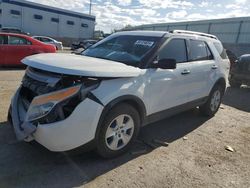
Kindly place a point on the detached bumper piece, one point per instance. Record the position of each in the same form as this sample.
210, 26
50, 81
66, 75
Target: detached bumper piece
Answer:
22, 128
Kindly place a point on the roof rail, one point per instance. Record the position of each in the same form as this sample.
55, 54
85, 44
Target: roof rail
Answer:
194, 33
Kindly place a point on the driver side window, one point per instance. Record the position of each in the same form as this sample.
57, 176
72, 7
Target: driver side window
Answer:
175, 49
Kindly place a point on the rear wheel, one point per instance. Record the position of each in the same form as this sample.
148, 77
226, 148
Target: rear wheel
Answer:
213, 103
119, 129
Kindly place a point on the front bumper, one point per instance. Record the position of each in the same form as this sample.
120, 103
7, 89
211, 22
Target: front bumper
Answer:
76, 130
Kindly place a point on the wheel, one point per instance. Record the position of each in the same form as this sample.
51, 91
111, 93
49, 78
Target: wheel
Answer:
118, 131
213, 103
234, 83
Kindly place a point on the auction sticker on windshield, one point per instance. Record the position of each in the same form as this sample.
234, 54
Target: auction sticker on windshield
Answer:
144, 43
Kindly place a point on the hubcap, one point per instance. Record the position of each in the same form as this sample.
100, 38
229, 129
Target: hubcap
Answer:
215, 100
119, 132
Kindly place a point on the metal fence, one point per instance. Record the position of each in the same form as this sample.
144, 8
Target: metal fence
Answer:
233, 32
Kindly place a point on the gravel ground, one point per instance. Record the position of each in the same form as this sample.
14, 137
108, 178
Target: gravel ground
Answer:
195, 157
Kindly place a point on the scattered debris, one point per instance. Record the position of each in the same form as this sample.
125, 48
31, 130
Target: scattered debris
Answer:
229, 148
220, 131
138, 152
161, 142
185, 138
140, 167
221, 107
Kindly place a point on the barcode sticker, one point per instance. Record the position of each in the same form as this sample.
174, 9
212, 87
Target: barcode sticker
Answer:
144, 43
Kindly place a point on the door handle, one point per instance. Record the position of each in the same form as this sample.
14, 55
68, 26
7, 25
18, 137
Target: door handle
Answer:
185, 72
214, 67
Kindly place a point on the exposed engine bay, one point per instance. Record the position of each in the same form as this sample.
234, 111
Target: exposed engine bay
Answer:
38, 83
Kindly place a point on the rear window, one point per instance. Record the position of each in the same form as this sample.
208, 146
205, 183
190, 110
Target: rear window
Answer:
221, 50
199, 51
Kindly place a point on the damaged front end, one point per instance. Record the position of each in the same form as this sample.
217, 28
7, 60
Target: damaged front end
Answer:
46, 97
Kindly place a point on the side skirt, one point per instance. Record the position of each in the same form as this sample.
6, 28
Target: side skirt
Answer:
173, 111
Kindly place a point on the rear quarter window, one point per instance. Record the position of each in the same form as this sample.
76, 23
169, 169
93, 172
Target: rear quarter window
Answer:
222, 52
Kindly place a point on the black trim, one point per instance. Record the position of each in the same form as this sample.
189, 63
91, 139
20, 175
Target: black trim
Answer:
173, 111
125, 98
62, 12
94, 98
129, 99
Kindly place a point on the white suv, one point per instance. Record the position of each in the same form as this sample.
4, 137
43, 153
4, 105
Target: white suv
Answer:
118, 85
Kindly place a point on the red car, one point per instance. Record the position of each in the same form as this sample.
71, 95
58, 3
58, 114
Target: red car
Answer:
15, 47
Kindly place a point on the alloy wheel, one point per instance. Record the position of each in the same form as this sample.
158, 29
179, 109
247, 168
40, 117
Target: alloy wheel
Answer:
119, 132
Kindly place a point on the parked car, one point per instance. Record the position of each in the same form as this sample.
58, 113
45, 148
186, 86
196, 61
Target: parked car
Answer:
13, 30
15, 47
232, 57
83, 44
118, 85
48, 40
240, 71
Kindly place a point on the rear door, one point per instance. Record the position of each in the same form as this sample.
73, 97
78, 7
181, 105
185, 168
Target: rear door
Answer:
202, 69
3, 49
18, 48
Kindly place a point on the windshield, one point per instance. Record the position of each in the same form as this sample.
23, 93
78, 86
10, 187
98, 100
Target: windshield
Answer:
125, 49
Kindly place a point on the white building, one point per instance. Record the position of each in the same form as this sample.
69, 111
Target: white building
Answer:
38, 19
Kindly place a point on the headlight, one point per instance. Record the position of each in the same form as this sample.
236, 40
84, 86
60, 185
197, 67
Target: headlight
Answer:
42, 105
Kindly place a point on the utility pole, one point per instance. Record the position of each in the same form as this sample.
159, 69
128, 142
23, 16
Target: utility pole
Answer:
90, 6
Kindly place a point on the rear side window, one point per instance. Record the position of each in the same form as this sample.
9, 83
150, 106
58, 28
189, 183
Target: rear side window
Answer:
199, 51
45, 40
13, 40
221, 50
175, 49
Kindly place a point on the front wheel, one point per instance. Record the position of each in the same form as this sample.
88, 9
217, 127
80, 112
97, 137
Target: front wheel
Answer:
213, 103
118, 131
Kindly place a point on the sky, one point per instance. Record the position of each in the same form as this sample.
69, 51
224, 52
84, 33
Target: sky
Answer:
115, 14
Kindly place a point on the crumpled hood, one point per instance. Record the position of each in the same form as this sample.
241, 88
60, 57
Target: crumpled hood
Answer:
80, 65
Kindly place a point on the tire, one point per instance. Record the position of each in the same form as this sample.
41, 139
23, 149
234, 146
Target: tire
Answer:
213, 103
234, 83
118, 131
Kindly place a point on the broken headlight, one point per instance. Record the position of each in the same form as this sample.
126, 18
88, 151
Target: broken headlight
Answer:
42, 105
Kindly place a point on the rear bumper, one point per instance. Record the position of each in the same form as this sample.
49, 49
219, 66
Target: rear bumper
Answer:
76, 130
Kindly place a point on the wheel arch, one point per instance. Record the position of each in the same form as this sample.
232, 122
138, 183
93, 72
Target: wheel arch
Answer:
134, 101
222, 82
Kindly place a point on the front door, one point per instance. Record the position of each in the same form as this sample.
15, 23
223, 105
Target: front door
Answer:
3, 49
169, 88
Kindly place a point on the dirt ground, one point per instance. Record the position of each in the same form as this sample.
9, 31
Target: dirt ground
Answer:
199, 160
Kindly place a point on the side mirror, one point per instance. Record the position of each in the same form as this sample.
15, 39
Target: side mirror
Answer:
166, 64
